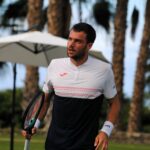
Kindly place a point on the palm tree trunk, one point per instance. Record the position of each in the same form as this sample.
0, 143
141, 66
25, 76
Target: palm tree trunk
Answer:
134, 123
32, 76
118, 46
59, 16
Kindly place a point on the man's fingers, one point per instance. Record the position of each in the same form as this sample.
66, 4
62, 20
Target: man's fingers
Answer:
102, 145
34, 130
105, 145
23, 133
98, 143
101, 142
27, 135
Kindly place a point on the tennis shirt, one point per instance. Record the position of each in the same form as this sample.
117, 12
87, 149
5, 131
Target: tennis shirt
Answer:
79, 92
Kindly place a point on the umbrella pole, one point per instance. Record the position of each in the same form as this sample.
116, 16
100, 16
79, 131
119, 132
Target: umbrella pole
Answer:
13, 109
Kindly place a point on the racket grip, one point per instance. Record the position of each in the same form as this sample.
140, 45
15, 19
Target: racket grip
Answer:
26, 144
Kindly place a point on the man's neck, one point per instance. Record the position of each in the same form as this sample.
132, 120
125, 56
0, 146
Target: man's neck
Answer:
79, 61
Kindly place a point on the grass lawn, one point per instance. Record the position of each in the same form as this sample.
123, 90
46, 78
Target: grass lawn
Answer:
37, 143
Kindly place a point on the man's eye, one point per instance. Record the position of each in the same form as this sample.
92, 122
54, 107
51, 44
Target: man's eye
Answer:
78, 41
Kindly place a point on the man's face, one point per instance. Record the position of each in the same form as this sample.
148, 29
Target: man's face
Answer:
77, 46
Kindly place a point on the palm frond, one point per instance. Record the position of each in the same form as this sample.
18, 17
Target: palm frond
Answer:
134, 21
1, 2
102, 14
2, 65
15, 10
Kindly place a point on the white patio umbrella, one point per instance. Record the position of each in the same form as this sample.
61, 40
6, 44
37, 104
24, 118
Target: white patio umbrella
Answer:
33, 48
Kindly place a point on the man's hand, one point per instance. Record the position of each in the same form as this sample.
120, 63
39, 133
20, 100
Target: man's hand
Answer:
101, 141
27, 135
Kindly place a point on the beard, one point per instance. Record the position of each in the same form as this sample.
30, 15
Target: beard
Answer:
77, 55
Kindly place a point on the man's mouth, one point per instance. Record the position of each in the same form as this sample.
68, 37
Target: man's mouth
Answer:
71, 50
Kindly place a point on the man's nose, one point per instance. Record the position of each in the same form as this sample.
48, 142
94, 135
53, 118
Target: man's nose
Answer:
71, 43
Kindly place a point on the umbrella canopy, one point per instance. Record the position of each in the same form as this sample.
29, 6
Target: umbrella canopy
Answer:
35, 48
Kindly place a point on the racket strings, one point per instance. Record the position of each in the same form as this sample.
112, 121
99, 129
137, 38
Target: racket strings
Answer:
32, 112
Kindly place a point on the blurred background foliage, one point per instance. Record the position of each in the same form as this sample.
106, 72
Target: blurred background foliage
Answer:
5, 108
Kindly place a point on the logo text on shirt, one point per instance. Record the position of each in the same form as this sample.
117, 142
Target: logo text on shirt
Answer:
63, 74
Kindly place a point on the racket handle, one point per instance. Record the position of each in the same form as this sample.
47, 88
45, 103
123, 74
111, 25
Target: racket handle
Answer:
26, 144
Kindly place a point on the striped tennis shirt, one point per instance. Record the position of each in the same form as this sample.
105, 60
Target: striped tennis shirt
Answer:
79, 92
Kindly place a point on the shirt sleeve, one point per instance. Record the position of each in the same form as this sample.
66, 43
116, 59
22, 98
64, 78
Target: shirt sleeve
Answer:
48, 87
109, 88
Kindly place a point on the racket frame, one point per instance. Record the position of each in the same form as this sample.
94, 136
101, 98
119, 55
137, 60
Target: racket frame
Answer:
29, 128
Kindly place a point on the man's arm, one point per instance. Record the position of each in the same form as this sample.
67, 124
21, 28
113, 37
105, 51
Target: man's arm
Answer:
102, 138
45, 106
114, 109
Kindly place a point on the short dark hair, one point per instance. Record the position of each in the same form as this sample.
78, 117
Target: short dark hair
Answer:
88, 29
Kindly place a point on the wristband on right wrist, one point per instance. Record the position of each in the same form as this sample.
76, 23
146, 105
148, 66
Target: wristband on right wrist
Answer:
107, 128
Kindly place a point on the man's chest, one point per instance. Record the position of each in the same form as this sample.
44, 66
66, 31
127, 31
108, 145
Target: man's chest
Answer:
78, 78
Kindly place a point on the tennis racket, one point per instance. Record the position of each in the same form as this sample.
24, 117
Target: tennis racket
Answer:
31, 114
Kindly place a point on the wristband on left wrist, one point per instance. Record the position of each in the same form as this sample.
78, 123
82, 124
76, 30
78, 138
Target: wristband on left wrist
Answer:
37, 123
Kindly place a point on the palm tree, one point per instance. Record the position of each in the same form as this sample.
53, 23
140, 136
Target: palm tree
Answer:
59, 16
118, 47
39, 18
12, 13
32, 76
147, 78
134, 122
102, 15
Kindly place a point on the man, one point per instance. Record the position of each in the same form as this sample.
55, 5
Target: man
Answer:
79, 83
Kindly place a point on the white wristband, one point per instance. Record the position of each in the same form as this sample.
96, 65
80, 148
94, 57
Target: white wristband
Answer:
37, 123
107, 127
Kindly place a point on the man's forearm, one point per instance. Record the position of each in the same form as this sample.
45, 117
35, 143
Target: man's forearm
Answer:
112, 116
45, 106
114, 110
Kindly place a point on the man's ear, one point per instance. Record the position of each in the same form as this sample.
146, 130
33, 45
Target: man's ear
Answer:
90, 45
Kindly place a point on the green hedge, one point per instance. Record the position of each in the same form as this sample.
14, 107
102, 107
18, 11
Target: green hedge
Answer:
6, 108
